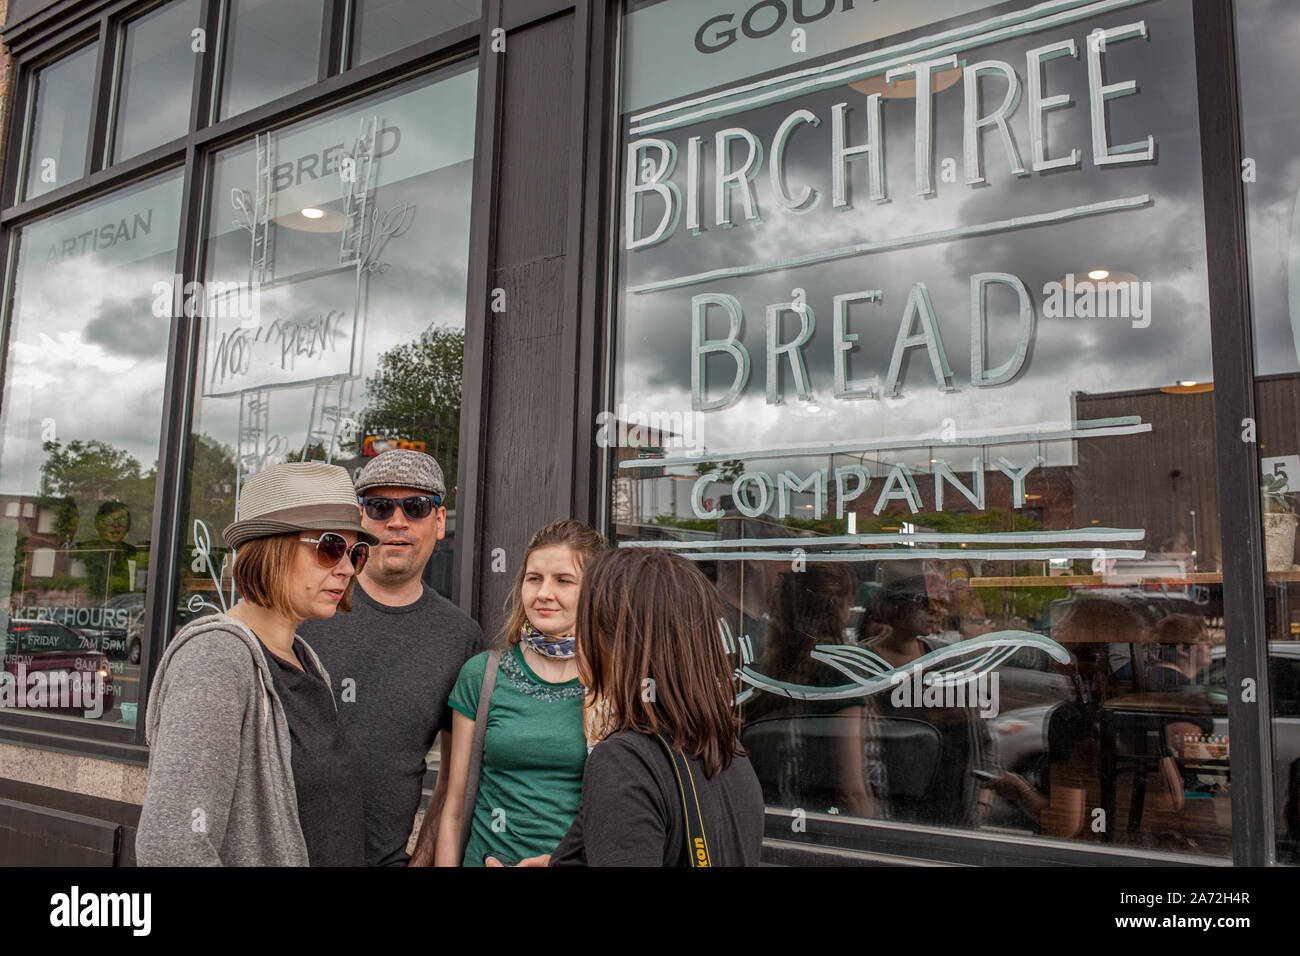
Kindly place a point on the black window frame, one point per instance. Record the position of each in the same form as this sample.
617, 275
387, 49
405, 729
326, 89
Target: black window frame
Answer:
24, 110
43, 37
1253, 836
111, 90
41, 40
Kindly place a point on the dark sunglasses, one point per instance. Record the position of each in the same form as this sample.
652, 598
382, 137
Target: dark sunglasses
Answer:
416, 506
331, 547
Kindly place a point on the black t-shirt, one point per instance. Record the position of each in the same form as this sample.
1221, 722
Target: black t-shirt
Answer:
631, 813
326, 765
393, 669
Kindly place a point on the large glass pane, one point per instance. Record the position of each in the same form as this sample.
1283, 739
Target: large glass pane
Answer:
272, 48
1270, 111
153, 103
81, 419
335, 268
912, 354
56, 154
382, 26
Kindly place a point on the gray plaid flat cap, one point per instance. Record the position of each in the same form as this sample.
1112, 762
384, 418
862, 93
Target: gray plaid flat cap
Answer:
402, 468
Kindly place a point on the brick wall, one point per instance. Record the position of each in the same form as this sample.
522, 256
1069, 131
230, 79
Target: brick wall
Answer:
6, 88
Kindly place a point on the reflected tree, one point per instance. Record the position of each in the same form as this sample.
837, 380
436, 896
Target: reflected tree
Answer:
85, 474
316, 451
101, 497
212, 472
415, 395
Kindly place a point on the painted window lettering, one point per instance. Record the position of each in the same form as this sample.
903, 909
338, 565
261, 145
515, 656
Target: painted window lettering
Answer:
652, 159
109, 234
762, 20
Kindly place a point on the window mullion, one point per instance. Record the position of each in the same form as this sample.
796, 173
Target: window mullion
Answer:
23, 107
332, 38
107, 66
207, 67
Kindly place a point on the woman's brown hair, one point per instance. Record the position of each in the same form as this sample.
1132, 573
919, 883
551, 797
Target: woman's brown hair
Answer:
808, 608
582, 539
650, 647
263, 568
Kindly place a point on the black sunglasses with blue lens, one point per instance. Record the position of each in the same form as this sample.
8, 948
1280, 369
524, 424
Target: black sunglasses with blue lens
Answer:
415, 506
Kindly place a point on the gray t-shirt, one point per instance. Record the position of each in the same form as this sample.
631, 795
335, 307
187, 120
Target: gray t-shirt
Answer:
392, 669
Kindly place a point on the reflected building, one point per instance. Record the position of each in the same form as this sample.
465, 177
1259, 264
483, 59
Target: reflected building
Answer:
759, 305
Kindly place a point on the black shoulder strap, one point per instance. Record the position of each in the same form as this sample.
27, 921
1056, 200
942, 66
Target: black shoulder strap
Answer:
476, 748
697, 844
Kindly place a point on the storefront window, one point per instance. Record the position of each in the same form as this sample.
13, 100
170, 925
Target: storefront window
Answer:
384, 26
153, 103
334, 307
273, 47
80, 421
912, 354
56, 152
1272, 183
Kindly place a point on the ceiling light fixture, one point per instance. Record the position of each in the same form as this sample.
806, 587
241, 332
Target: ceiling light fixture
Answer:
1187, 386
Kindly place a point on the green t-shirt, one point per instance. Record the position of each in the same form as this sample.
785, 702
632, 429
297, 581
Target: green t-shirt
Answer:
534, 752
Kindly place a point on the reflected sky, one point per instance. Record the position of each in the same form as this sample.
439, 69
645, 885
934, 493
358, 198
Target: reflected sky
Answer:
422, 189
383, 26
61, 129
157, 79
86, 351
273, 49
1161, 243
1268, 32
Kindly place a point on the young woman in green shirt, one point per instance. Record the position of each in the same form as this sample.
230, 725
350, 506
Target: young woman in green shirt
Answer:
534, 749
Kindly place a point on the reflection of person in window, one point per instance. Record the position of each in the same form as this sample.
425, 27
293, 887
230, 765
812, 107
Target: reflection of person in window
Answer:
1183, 652
106, 555
815, 770
910, 615
965, 612
1089, 628
745, 587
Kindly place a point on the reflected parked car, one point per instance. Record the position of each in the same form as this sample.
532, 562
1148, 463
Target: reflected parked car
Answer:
124, 643
1284, 687
58, 651
1021, 737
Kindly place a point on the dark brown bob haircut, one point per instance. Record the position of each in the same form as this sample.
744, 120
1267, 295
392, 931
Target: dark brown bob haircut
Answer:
647, 614
264, 569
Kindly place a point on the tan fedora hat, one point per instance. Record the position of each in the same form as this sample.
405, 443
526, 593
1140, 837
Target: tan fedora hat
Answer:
297, 496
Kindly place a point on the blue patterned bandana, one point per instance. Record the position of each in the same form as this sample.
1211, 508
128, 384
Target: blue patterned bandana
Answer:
546, 646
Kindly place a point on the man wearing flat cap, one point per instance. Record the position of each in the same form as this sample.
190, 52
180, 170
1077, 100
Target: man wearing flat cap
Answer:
394, 659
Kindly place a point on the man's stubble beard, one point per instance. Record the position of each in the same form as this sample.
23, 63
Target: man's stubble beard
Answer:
408, 570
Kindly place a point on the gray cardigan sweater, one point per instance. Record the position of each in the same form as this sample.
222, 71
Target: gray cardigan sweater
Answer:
221, 789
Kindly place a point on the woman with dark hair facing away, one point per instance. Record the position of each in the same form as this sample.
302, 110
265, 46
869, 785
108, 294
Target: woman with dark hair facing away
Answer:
669, 784
799, 763
249, 764
527, 703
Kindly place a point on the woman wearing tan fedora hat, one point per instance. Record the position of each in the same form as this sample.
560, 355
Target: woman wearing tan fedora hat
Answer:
248, 761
